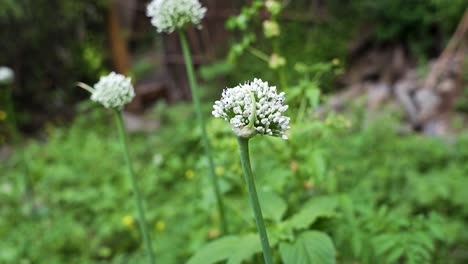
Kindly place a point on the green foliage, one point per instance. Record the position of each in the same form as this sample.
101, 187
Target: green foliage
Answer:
234, 249
51, 44
310, 247
381, 197
271, 56
413, 23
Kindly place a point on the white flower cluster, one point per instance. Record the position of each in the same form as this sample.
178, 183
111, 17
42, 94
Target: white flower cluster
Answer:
6, 75
113, 91
253, 108
169, 15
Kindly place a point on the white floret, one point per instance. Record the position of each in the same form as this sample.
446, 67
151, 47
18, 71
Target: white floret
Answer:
113, 91
169, 15
236, 106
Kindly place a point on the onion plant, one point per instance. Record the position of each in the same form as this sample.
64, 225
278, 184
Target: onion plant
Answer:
175, 15
254, 108
115, 91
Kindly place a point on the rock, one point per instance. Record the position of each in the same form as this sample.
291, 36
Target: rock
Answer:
427, 103
446, 86
437, 127
403, 92
377, 94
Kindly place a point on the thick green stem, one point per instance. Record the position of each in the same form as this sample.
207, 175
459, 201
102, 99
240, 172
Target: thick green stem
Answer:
136, 190
205, 141
249, 180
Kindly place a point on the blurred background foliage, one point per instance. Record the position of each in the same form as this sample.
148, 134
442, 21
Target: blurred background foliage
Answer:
50, 45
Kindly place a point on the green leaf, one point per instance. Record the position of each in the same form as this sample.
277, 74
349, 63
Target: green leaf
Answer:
273, 206
317, 207
309, 248
234, 249
313, 94
319, 165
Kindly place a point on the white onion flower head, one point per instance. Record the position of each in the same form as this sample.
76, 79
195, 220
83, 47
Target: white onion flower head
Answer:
113, 91
169, 15
6, 75
253, 108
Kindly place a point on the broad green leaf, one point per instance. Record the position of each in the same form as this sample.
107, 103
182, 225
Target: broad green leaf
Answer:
311, 247
315, 208
273, 206
234, 249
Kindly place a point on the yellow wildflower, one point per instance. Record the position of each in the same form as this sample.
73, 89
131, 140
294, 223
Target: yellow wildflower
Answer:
189, 174
213, 233
220, 170
160, 225
128, 221
309, 184
293, 165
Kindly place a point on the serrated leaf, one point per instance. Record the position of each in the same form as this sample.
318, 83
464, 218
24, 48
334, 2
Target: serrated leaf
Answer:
234, 249
311, 247
273, 206
317, 207
395, 255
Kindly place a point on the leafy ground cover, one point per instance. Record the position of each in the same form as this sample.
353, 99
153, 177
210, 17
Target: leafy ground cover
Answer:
362, 194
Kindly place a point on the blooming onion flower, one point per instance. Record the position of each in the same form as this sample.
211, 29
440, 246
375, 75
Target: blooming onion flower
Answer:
169, 15
253, 108
6, 75
112, 91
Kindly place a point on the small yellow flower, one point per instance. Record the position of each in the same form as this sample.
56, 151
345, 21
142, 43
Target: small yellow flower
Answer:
160, 225
3, 115
336, 61
213, 233
189, 174
220, 170
293, 165
128, 221
309, 184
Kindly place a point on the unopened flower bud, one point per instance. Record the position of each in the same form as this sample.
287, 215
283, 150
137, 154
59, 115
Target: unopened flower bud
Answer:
271, 28
274, 7
276, 61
